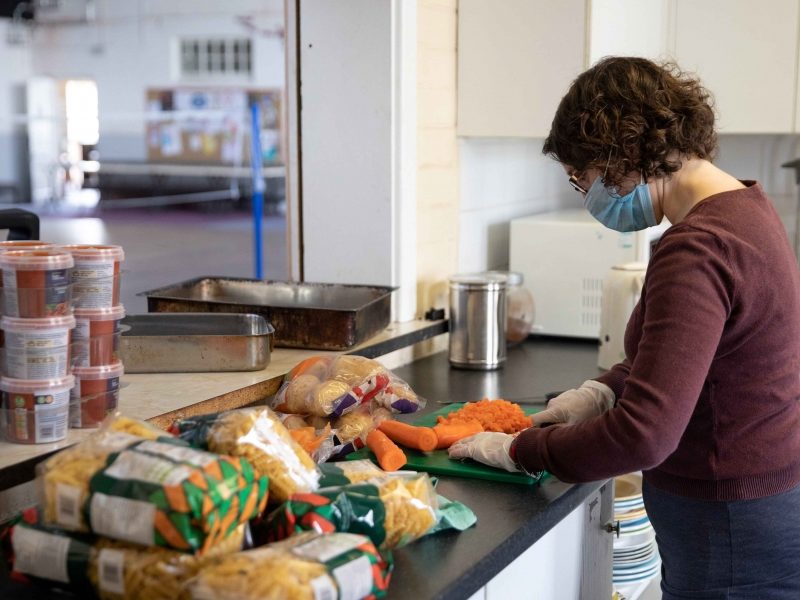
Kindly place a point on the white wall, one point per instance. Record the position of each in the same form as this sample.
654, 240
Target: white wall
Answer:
131, 46
505, 178
13, 145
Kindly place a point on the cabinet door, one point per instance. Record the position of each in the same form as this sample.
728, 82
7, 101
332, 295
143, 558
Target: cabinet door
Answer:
516, 59
628, 28
745, 52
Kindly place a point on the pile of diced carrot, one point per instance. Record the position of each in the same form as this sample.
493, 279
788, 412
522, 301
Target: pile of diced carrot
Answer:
493, 415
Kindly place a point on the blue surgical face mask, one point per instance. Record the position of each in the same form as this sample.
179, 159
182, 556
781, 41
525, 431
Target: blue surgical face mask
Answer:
631, 212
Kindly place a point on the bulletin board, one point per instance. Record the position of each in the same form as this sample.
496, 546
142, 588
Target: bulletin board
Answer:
212, 126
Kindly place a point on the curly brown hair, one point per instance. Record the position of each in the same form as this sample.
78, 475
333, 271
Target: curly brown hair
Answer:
636, 112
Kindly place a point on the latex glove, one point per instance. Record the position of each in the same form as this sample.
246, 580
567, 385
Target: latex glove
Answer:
489, 448
592, 399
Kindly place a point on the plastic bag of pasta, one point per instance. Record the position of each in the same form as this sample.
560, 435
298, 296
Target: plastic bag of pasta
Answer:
347, 472
258, 435
308, 566
170, 495
115, 570
392, 511
337, 384
120, 571
53, 556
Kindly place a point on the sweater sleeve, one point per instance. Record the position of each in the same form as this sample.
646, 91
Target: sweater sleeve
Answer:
686, 301
616, 376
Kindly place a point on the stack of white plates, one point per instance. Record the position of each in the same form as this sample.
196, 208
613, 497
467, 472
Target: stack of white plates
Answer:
635, 554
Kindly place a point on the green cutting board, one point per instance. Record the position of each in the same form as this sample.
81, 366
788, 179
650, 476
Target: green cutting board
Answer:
439, 463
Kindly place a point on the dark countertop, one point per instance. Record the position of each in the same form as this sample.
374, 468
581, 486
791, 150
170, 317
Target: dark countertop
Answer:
511, 518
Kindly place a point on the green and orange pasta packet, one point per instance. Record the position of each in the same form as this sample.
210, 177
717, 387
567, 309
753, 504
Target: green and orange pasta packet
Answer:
153, 492
392, 510
307, 566
109, 569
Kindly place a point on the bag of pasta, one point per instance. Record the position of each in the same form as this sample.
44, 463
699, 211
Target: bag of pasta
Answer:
114, 570
120, 571
304, 567
51, 556
170, 495
393, 510
258, 435
337, 384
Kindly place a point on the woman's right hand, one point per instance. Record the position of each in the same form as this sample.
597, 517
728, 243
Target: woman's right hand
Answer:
592, 399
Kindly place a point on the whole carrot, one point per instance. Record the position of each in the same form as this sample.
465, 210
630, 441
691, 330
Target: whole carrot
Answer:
419, 438
449, 433
389, 456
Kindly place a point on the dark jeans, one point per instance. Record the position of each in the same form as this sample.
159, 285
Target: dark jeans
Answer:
740, 550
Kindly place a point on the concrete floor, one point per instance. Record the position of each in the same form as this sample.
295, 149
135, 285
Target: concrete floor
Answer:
169, 245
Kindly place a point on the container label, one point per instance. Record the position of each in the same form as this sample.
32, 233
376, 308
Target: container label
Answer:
94, 284
81, 342
37, 354
10, 299
51, 422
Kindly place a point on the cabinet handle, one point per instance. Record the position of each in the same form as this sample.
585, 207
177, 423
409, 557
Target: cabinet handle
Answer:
613, 527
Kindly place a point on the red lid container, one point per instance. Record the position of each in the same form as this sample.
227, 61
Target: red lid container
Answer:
36, 283
95, 395
35, 412
96, 274
96, 335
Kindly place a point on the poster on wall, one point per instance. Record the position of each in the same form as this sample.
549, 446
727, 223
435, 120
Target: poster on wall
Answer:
212, 126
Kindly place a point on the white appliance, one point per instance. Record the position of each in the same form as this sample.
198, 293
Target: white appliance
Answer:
564, 257
622, 288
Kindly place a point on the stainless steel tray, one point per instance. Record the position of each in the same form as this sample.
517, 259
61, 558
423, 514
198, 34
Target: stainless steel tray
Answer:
305, 315
197, 342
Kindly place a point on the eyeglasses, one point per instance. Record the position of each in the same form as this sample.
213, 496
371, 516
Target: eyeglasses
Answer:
573, 181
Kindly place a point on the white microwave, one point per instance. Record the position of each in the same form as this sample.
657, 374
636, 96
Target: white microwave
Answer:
564, 257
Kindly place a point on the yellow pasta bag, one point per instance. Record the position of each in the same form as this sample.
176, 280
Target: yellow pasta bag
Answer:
258, 435
393, 510
171, 495
308, 566
114, 570
120, 571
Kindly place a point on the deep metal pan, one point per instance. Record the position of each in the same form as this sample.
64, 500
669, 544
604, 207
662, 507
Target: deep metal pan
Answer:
197, 342
323, 316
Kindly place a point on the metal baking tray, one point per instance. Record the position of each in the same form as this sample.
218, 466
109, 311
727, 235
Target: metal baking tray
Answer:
198, 342
322, 316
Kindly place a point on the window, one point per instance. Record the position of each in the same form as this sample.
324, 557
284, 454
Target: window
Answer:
226, 57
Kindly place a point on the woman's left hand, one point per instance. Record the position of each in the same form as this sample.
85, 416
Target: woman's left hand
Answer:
489, 448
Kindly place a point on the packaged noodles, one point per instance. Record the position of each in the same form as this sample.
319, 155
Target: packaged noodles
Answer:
258, 435
170, 495
115, 570
308, 566
393, 510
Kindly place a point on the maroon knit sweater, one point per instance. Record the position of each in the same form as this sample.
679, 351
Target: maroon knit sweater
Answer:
707, 399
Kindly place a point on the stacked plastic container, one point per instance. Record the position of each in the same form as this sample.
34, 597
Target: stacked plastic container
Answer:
98, 312
37, 324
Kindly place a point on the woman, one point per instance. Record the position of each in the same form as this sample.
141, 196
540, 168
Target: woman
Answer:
706, 402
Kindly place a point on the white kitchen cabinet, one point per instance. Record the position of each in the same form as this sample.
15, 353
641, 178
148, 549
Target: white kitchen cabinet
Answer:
746, 53
516, 59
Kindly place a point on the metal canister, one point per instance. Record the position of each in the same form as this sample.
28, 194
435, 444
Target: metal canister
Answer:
477, 321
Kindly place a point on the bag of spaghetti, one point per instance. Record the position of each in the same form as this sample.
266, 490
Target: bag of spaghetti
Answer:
115, 570
258, 435
167, 494
337, 384
307, 566
392, 510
